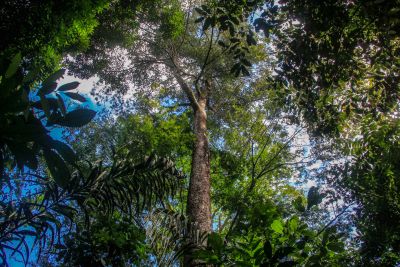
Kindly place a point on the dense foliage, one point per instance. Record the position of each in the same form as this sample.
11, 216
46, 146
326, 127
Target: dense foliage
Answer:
230, 133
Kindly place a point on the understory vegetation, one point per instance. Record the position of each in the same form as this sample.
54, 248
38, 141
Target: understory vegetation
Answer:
215, 133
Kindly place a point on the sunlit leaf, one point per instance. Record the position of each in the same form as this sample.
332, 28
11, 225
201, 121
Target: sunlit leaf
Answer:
277, 226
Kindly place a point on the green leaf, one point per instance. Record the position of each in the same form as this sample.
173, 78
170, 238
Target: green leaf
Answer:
293, 223
283, 252
68, 86
12, 68
301, 244
277, 226
315, 259
76, 96
57, 168
298, 204
250, 39
215, 241
235, 19
335, 246
76, 118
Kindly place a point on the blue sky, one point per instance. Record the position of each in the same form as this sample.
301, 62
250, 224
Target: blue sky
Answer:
56, 132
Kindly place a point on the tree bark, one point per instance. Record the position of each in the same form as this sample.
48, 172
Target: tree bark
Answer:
198, 207
199, 203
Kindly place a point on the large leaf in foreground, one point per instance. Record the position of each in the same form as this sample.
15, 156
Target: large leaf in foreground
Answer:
58, 169
76, 118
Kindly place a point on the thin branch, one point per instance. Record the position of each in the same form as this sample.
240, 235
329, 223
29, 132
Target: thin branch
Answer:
334, 219
206, 59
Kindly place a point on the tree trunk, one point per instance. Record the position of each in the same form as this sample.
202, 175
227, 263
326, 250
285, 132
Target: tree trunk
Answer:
199, 203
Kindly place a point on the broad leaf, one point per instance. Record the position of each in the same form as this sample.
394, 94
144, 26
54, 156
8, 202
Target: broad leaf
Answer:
58, 169
49, 85
277, 226
68, 86
76, 96
61, 104
65, 151
76, 118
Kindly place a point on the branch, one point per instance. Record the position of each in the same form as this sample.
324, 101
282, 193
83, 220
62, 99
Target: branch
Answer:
189, 93
206, 59
334, 219
182, 83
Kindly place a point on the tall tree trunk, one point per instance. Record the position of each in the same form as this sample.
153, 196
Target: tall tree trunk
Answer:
199, 203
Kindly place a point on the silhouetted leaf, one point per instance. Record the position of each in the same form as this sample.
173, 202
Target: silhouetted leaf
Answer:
59, 171
49, 84
52, 103
68, 86
61, 104
200, 11
207, 24
245, 71
45, 106
198, 20
65, 151
26, 232
313, 197
76, 118
76, 96
49, 88
67, 211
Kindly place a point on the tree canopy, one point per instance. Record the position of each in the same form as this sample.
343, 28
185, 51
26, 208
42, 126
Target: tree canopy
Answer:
218, 133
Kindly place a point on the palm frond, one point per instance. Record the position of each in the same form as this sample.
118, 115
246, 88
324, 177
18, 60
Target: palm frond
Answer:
125, 187
171, 235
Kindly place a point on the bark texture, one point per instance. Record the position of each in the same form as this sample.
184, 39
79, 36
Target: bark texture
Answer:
199, 203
